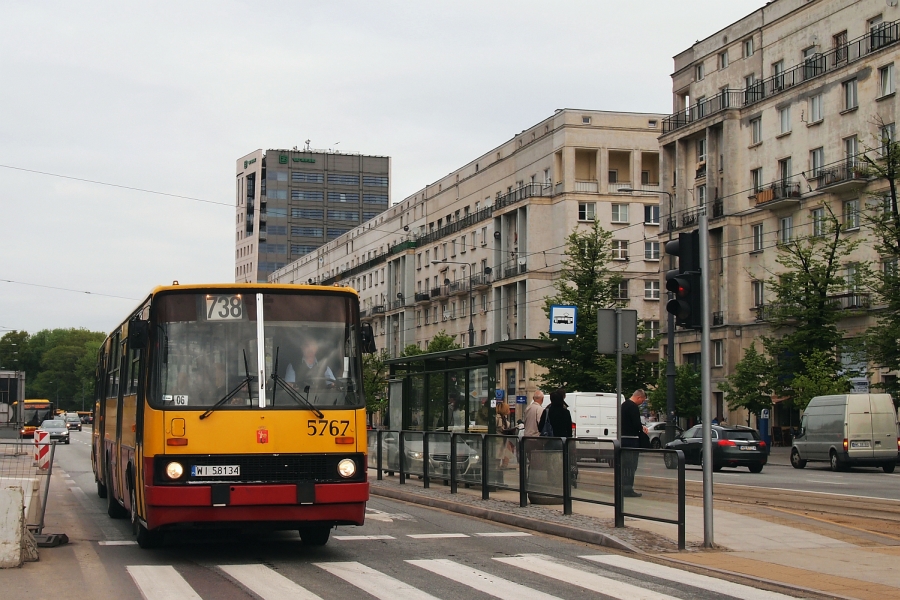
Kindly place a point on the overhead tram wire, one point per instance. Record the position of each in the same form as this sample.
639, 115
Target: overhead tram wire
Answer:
62, 289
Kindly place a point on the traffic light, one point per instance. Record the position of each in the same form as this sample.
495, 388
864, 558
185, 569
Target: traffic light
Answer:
685, 282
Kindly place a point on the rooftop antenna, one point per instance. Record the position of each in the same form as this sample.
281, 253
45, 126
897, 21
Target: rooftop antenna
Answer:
307, 146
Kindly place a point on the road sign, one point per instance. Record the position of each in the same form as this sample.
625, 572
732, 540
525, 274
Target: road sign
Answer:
563, 319
606, 331
521, 399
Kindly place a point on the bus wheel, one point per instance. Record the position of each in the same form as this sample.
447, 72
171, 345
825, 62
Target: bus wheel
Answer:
113, 508
101, 489
315, 536
146, 539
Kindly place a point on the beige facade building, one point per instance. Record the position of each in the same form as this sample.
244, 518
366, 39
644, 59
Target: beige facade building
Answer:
771, 116
497, 228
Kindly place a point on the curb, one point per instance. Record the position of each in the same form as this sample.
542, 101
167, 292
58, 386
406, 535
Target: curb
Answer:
572, 533
772, 582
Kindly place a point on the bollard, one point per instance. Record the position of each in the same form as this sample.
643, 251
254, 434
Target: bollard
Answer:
42, 449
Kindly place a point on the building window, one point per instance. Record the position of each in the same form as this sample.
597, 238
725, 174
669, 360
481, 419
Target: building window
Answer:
757, 180
619, 250
587, 211
817, 217
621, 291
585, 120
851, 214
784, 171
651, 250
889, 268
815, 108
718, 353
651, 214
778, 75
888, 137
758, 237
850, 98
851, 149
619, 213
886, 75
784, 118
698, 72
651, 331
748, 47
851, 277
613, 176
452, 248
723, 59
701, 195
839, 44
785, 229
484, 236
759, 297
343, 179
816, 161
701, 149
756, 130
651, 289
418, 318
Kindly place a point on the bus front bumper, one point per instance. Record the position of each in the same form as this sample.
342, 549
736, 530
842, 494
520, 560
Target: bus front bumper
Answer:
335, 503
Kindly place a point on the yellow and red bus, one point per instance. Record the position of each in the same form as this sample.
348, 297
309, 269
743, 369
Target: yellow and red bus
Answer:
34, 412
234, 405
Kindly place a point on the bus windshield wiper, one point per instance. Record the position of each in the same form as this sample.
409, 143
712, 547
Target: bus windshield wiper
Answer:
247, 380
295, 396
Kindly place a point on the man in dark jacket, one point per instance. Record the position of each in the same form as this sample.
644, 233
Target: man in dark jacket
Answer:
633, 432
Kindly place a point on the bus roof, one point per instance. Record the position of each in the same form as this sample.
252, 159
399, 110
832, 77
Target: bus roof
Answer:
253, 286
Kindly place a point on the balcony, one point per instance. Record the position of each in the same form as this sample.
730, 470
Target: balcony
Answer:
852, 301
460, 286
689, 218
778, 194
619, 186
718, 209
701, 171
848, 175
378, 310
440, 292
671, 223
812, 67
396, 304
422, 297
591, 187
848, 301
481, 280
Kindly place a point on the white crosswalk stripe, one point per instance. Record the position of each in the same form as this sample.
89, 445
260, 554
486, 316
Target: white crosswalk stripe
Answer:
267, 583
693, 579
481, 581
435, 536
345, 538
581, 578
373, 582
161, 582
504, 534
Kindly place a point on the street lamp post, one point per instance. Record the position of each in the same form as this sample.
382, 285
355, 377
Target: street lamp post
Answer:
670, 339
487, 271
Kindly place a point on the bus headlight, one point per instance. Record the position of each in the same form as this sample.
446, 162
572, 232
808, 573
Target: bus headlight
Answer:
347, 468
174, 470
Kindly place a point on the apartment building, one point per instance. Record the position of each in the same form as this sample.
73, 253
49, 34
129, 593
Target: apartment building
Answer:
484, 244
771, 116
290, 202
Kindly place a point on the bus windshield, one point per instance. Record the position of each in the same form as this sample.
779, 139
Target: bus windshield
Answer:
35, 413
207, 347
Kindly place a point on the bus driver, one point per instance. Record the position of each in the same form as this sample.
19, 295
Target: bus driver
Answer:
309, 371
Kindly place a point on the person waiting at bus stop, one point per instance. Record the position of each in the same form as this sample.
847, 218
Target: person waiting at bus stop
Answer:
634, 435
559, 415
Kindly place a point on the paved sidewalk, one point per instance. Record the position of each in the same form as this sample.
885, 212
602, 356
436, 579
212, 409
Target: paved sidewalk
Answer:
812, 563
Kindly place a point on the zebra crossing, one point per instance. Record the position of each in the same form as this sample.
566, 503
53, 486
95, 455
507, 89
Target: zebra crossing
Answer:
611, 576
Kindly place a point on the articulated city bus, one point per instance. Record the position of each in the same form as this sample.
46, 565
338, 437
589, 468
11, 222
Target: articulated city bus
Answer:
234, 405
35, 412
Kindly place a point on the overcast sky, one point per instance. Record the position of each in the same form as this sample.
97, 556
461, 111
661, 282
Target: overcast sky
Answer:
166, 96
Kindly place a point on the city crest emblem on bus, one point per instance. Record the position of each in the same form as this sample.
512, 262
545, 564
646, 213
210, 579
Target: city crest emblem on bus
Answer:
262, 436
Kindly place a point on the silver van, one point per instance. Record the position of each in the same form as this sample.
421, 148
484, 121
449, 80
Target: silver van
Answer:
848, 430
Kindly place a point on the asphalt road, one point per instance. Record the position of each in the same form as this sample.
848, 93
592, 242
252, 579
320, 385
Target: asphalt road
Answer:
403, 552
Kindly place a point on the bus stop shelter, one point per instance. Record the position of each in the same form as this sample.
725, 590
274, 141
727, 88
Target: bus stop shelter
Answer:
456, 390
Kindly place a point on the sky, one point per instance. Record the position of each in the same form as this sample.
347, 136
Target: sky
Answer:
160, 99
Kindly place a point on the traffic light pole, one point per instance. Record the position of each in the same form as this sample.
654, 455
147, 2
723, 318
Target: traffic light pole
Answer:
705, 401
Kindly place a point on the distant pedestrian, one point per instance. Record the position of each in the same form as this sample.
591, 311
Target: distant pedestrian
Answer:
533, 414
558, 414
634, 435
505, 427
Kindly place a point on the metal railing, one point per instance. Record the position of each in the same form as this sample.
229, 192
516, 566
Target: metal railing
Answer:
811, 67
849, 170
540, 469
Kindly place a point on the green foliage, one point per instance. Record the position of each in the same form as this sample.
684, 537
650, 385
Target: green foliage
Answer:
687, 392
749, 386
805, 308
375, 380
441, 342
818, 379
58, 363
586, 282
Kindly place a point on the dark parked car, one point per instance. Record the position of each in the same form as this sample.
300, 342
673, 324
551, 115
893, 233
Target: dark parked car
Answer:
732, 447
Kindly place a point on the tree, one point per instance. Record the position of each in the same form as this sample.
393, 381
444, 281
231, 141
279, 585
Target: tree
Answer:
687, 392
808, 305
375, 381
882, 215
441, 342
818, 379
749, 386
586, 282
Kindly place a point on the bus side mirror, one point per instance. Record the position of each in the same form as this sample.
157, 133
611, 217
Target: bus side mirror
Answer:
367, 339
138, 335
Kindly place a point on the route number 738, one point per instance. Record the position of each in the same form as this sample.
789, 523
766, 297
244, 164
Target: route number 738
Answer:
334, 427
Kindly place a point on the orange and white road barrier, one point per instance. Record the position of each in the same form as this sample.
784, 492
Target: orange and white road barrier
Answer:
42, 449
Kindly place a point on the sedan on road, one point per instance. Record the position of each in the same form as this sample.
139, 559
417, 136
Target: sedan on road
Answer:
57, 430
657, 431
732, 447
73, 422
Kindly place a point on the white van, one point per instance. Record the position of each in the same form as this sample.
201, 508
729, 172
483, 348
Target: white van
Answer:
848, 430
594, 416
